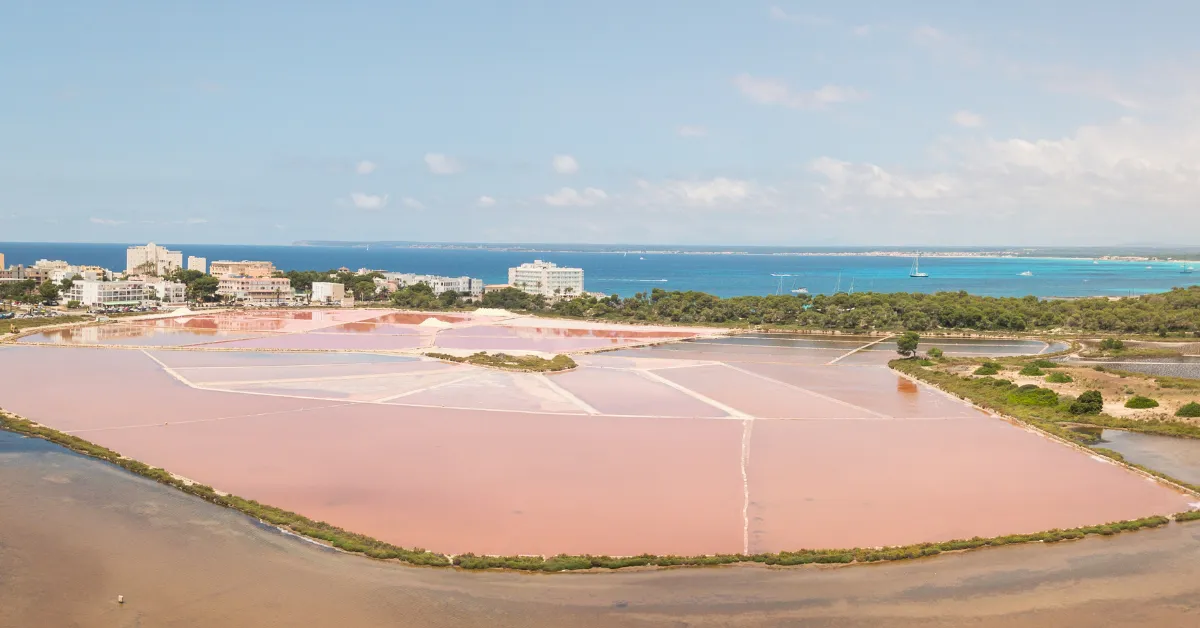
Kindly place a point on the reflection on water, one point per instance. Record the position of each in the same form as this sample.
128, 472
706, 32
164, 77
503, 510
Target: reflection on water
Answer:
1177, 457
121, 334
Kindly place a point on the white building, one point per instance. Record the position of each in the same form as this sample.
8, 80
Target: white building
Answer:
461, 285
93, 293
328, 292
51, 264
244, 268
546, 279
197, 263
256, 290
151, 260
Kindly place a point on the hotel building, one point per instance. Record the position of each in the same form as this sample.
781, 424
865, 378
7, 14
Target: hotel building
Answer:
328, 292
461, 285
151, 260
546, 279
93, 293
197, 263
255, 290
244, 268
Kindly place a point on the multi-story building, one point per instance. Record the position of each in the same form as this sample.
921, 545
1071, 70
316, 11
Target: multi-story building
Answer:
255, 290
94, 272
197, 263
461, 285
167, 292
244, 268
328, 292
547, 279
94, 293
2, 266
151, 260
51, 264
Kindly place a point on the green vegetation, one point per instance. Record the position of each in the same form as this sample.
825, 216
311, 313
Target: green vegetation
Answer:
420, 296
1090, 402
514, 299
1178, 383
73, 304
1139, 402
1189, 410
1043, 363
199, 286
361, 544
1031, 370
511, 362
21, 324
906, 344
1059, 378
1030, 395
934, 353
989, 368
1112, 344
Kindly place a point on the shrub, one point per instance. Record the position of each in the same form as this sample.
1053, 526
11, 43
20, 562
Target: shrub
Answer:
1140, 402
986, 370
1030, 395
1189, 410
73, 304
1090, 402
934, 353
1112, 344
1059, 378
1031, 371
1043, 363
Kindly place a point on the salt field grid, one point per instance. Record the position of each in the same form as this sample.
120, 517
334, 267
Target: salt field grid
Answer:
753, 443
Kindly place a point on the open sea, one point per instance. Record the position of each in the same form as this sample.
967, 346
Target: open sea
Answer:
725, 275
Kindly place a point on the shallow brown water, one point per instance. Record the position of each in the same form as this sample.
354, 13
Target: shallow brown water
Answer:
75, 533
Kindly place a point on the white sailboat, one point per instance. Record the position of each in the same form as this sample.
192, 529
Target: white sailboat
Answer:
915, 271
1028, 273
1187, 270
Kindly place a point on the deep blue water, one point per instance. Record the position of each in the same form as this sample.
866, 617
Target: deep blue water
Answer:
722, 275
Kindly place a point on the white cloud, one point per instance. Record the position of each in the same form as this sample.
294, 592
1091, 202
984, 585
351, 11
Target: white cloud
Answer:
106, 222
777, 13
195, 221
442, 164
412, 203
698, 193
692, 131
365, 167
570, 197
967, 119
565, 164
368, 201
485, 201
765, 91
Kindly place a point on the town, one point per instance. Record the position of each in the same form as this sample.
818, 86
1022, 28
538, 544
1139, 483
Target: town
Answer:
156, 278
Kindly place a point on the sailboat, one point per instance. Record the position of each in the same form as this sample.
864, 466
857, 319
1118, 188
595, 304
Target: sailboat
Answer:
916, 268
1187, 270
1028, 273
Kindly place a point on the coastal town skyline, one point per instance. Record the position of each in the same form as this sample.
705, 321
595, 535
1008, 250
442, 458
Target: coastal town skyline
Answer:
767, 124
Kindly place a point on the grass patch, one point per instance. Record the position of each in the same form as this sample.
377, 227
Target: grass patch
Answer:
1190, 515
989, 368
531, 363
1189, 410
1045, 364
21, 324
1030, 370
1140, 403
1059, 378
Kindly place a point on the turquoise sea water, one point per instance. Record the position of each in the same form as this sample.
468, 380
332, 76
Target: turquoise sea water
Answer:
720, 274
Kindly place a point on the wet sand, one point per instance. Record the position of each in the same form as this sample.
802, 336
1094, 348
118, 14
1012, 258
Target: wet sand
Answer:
75, 533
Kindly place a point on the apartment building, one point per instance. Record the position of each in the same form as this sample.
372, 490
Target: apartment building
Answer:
151, 260
547, 279
255, 290
462, 285
197, 263
93, 293
328, 292
244, 268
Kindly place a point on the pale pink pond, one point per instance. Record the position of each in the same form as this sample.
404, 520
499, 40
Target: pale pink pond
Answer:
626, 392
135, 335
329, 342
759, 396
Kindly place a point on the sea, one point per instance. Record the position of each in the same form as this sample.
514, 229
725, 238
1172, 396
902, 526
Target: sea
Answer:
728, 273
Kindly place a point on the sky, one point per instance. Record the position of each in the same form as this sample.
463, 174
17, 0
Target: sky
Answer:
653, 121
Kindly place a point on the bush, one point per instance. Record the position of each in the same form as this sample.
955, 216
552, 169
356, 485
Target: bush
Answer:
1059, 378
1031, 370
1090, 402
73, 304
1139, 402
1043, 363
934, 353
1030, 395
1189, 410
1112, 344
986, 370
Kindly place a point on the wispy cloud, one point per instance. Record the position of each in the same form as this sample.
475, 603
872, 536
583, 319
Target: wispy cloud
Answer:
565, 164
442, 164
570, 197
365, 167
766, 91
485, 201
412, 203
368, 201
106, 222
692, 131
967, 119
778, 13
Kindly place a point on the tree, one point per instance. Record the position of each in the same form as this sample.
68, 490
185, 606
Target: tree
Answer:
934, 353
1090, 402
204, 289
48, 291
66, 284
448, 299
906, 344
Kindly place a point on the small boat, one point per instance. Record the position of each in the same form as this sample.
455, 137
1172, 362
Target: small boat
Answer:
1187, 270
915, 271
641, 258
1028, 273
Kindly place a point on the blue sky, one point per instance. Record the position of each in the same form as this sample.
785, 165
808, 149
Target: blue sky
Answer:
789, 123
